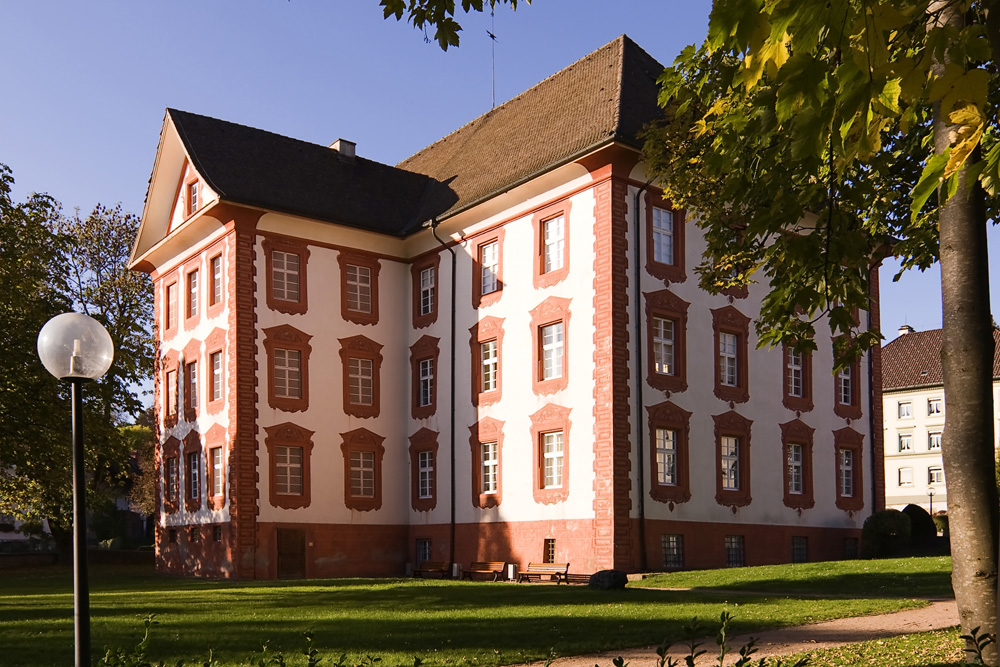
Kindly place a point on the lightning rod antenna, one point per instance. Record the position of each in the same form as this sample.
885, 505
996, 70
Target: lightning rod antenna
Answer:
493, 48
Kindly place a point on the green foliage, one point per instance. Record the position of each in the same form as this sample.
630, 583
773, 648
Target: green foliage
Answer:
437, 14
885, 533
922, 528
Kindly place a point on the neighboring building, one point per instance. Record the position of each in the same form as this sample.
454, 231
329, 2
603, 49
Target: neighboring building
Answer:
914, 405
339, 394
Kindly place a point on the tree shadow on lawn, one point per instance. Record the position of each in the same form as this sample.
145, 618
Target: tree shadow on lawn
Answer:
856, 585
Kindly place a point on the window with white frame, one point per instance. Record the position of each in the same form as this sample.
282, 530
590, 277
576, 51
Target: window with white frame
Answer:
285, 275
552, 351
491, 466
906, 477
194, 484
906, 442
845, 386
171, 305
425, 474
192, 197
846, 477
490, 365
288, 470
172, 480
359, 288
935, 475
663, 236
287, 373
666, 456
553, 240
360, 381
423, 551
934, 441
363, 474
427, 289
904, 409
795, 468
215, 293
426, 370
215, 360
191, 384
934, 406
730, 459
192, 285
552, 460
489, 262
218, 479
663, 345
796, 386
673, 552
728, 374
171, 392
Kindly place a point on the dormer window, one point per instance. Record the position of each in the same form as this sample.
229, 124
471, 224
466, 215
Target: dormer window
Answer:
192, 196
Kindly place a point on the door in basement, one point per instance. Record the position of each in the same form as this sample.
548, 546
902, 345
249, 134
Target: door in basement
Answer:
291, 553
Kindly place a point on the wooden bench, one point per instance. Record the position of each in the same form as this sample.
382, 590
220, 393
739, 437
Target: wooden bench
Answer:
433, 567
558, 571
493, 568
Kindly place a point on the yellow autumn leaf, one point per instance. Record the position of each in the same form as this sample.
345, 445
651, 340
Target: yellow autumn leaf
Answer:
970, 124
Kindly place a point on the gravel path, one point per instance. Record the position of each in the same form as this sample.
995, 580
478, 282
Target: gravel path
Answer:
937, 615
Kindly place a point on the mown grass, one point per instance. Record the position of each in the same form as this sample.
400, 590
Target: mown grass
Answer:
927, 577
445, 623
941, 648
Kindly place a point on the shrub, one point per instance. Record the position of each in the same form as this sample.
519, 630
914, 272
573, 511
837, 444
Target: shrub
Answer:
922, 529
941, 523
885, 534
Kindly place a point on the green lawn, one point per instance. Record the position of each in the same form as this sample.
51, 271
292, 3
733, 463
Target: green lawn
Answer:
445, 623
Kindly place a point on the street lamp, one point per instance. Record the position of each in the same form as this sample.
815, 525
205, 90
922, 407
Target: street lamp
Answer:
930, 498
75, 347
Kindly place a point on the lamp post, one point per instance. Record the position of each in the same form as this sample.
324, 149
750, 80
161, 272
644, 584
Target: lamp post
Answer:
930, 499
75, 347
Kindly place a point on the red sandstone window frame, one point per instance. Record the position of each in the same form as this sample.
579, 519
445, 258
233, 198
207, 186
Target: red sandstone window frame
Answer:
673, 272
362, 440
550, 419
539, 222
853, 409
191, 196
803, 403
667, 415
480, 300
422, 442
433, 262
485, 330
729, 320
170, 394
486, 430
170, 297
665, 305
216, 280
552, 310
190, 389
170, 455
425, 349
293, 436
191, 445
282, 305
732, 424
361, 347
797, 432
847, 439
287, 337
360, 259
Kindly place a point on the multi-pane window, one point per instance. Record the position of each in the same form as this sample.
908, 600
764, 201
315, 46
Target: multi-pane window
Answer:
549, 550
489, 262
735, 553
359, 288
673, 552
215, 360
363, 474
846, 471
423, 551
933, 406
216, 533
171, 305
426, 370
904, 410
796, 385
218, 481
490, 365
795, 468
287, 373
905, 442
172, 481
666, 456
552, 351
192, 197
427, 288
491, 466
730, 461
552, 460
850, 548
663, 236
360, 381
934, 441
553, 242
193, 481
191, 384
845, 386
663, 346
935, 475
288, 470
171, 392
192, 290
800, 549
906, 477
285, 275
728, 375
425, 474
215, 289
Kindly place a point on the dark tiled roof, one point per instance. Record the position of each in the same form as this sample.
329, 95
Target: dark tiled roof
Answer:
606, 96
257, 168
914, 360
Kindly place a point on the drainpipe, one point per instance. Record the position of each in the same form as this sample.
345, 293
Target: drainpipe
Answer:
871, 411
433, 223
639, 432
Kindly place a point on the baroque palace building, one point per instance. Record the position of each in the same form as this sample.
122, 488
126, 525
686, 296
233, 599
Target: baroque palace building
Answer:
496, 350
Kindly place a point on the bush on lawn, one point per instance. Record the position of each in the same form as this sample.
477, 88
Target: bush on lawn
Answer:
885, 534
923, 532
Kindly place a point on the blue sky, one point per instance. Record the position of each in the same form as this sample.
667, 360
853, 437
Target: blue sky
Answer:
85, 84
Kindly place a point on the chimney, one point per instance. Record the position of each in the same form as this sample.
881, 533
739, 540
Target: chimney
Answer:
906, 329
344, 147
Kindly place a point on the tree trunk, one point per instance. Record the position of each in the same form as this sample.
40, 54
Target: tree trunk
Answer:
967, 364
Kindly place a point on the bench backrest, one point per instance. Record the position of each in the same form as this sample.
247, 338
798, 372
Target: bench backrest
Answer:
491, 566
548, 567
